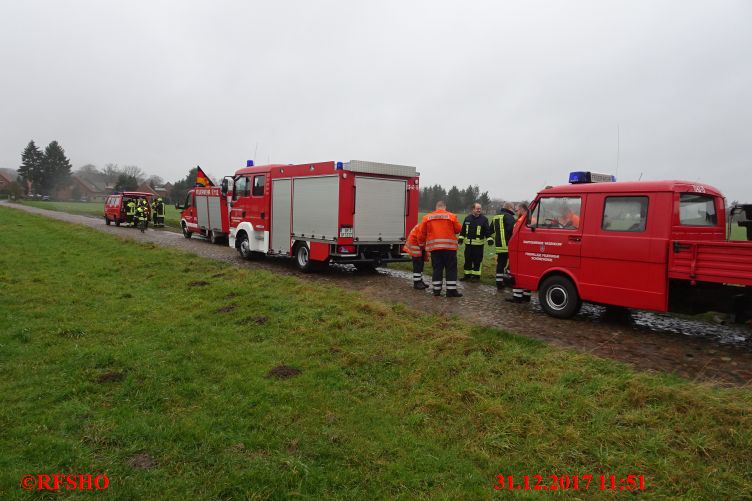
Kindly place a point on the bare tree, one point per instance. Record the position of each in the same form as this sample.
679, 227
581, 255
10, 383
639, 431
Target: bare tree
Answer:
155, 180
134, 171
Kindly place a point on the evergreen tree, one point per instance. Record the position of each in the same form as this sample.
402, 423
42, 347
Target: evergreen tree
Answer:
454, 199
30, 170
56, 168
485, 201
126, 183
180, 188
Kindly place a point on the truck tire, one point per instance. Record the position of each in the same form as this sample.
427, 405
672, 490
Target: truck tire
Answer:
558, 297
243, 246
213, 238
107, 220
117, 222
303, 258
186, 233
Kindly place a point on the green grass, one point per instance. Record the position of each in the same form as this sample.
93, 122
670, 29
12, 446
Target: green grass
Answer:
111, 348
96, 209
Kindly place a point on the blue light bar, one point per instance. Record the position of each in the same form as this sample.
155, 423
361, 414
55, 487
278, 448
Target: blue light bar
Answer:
581, 177
249, 163
339, 166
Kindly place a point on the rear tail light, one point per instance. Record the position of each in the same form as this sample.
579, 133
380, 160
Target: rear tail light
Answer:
346, 249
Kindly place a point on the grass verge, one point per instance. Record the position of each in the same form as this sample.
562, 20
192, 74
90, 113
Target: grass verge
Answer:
180, 377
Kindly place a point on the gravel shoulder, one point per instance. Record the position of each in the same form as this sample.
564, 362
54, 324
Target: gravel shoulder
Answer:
695, 349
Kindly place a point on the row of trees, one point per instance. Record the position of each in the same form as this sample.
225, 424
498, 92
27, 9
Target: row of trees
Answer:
44, 171
120, 178
457, 200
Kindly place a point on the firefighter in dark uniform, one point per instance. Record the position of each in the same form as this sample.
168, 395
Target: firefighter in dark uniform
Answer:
475, 231
502, 226
130, 213
159, 212
154, 212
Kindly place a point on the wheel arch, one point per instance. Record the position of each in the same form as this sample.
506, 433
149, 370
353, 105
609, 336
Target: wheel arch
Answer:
560, 273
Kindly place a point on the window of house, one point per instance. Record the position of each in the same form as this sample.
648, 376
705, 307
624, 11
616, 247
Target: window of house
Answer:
697, 210
625, 214
557, 212
258, 186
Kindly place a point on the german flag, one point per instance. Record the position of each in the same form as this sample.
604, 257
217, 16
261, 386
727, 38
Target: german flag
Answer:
202, 179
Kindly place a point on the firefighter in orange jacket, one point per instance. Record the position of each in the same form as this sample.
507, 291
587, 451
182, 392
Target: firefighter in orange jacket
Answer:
439, 235
419, 255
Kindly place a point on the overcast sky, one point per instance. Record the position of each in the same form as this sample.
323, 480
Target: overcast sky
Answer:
509, 95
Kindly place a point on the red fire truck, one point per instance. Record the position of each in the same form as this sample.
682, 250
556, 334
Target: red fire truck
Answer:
659, 245
205, 212
353, 212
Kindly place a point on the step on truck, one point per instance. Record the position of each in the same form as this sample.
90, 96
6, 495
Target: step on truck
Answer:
205, 213
353, 212
652, 245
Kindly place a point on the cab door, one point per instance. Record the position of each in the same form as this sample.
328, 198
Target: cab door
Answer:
189, 211
551, 239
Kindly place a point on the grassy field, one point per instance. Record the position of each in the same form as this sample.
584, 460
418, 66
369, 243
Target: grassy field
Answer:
163, 371
96, 209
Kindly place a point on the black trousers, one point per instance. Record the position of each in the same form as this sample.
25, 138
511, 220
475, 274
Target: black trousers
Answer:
502, 259
473, 259
444, 261
418, 269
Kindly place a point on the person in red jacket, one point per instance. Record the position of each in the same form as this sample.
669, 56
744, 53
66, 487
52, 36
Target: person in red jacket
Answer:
439, 235
419, 255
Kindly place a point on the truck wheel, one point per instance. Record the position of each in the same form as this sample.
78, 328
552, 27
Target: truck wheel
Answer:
303, 258
244, 246
186, 233
213, 238
107, 220
117, 222
558, 297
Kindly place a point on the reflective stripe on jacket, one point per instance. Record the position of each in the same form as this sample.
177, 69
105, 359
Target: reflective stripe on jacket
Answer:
412, 246
475, 230
439, 231
502, 226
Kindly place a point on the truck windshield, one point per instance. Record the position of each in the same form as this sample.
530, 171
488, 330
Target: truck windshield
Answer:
557, 212
697, 210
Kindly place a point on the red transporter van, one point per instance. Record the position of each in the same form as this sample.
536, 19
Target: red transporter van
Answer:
115, 205
658, 245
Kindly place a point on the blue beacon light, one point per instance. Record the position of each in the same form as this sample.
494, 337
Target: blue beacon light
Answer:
249, 163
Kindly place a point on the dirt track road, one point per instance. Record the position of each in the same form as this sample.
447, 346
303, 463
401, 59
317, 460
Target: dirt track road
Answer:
697, 350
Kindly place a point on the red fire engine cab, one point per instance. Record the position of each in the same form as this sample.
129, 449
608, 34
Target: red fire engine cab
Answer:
353, 212
653, 245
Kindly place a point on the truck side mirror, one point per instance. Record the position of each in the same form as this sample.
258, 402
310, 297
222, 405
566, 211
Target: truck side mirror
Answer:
225, 186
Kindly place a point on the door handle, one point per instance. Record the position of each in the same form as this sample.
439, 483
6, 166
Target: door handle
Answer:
575, 238
262, 215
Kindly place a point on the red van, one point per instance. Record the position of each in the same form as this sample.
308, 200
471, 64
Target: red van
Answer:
115, 205
653, 245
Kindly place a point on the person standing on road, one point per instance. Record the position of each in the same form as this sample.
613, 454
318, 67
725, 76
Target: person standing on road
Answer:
475, 231
502, 226
130, 213
159, 212
419, 255
520, 295
439, 235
